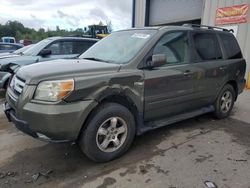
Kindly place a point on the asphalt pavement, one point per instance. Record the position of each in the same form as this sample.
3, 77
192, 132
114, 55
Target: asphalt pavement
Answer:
193, 153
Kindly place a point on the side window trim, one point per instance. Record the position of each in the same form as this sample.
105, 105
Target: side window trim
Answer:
222, 48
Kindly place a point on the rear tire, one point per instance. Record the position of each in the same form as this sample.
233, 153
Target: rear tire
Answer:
224, 102
109, 133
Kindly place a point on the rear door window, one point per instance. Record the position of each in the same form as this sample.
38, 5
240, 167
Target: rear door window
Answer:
206, 47
81, 46
231, 46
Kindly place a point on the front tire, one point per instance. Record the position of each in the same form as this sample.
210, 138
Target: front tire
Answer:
109, 133
225, 102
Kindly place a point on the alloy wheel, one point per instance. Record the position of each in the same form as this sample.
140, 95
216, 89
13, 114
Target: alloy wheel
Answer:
226, 102
112, 134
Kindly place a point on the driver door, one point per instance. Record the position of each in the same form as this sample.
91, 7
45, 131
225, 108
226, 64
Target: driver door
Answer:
169, 89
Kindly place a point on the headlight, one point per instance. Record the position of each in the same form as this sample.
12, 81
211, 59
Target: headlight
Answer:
54, 91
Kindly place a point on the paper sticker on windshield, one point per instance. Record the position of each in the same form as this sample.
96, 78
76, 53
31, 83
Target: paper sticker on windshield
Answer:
140, 35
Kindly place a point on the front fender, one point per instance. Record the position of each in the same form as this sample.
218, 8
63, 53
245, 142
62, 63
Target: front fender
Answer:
99, 87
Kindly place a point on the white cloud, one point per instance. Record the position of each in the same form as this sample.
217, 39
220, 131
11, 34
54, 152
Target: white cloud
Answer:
67, 14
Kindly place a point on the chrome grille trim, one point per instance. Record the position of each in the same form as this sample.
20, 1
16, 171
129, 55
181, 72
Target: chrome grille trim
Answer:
17, 85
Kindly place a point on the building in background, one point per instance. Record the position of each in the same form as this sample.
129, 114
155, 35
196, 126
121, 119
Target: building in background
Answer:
230, 14
162, 12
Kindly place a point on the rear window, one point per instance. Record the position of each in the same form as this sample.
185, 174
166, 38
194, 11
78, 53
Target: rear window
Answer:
206, 47
231, 46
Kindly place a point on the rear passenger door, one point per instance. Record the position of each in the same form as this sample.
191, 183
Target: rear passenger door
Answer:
210, 64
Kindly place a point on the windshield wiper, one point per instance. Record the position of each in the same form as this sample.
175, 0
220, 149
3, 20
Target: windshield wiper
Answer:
101, 60
95, 59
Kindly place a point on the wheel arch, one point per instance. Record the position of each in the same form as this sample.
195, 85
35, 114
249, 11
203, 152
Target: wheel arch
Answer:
5, 80
234, 84
119, 98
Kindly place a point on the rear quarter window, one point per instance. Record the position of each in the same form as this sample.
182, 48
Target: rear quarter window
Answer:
231, 46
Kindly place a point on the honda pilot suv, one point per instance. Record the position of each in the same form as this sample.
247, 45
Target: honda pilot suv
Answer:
130, 82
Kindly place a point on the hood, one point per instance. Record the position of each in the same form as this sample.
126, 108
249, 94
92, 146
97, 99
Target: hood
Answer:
8, 55
17, 59
64, 68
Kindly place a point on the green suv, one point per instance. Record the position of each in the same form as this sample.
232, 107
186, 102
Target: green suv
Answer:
130, 82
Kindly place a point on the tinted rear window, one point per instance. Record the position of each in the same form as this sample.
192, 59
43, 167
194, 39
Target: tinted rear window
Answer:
231, 46
206, 46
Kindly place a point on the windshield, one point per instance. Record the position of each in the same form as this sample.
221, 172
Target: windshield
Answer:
36, 48
119, 47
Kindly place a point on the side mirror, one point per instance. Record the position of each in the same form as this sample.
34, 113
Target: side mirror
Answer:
45, 52
158, 60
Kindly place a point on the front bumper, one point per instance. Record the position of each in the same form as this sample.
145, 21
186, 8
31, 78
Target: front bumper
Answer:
21, 125
54, 123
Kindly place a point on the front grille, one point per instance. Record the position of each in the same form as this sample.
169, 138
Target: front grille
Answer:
17, 85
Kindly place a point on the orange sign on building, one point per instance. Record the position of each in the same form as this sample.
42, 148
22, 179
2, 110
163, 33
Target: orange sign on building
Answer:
231, 15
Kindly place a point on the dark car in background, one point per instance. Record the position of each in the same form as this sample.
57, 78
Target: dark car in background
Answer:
45, 50
9, 47
16, 52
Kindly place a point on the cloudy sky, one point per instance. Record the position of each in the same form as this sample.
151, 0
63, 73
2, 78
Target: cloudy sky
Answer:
67, 13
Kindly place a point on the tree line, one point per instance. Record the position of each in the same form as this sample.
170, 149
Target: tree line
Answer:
19, 31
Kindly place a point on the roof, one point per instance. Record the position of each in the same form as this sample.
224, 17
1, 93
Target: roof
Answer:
72, 38
184, 26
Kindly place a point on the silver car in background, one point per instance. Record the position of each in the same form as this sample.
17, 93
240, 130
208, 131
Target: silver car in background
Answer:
45, 50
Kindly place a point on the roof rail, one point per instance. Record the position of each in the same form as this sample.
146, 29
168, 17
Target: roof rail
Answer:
206, 26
